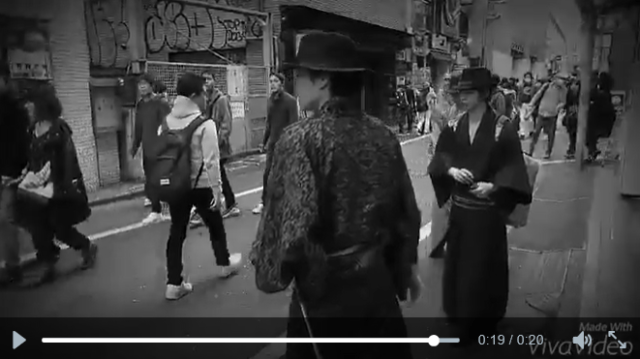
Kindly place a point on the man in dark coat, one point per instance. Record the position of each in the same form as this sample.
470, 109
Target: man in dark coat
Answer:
340, 219
151, 109
219, 110
282, 111
14, 154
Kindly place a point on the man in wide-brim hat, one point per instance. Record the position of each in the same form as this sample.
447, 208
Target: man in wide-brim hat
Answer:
478, 168
340, 220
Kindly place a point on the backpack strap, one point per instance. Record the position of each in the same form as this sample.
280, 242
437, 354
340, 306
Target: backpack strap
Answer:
190, 130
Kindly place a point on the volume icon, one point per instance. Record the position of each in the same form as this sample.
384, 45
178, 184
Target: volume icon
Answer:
581, 340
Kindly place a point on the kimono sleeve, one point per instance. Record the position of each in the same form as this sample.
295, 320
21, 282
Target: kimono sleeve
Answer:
440, 164
290, 211
511, 179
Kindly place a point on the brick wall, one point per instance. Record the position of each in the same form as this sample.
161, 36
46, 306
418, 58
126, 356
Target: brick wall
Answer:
70, 62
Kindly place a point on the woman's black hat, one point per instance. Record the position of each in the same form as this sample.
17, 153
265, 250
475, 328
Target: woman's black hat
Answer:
476, 78
327, 51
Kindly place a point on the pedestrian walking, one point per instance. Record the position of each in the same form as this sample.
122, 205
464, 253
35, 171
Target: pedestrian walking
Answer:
218, 109
340, 217
549, 101
14, 155
188, 146
498, 100
479, 167
602, 114
151, 109
570, 121
52, 198
282, 111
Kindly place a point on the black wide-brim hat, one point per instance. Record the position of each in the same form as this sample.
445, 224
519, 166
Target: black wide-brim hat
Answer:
326, 51
475, 78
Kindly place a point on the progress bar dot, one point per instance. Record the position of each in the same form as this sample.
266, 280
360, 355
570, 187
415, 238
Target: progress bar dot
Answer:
434, 340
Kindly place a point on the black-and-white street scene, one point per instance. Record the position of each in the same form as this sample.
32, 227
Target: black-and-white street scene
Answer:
379, 169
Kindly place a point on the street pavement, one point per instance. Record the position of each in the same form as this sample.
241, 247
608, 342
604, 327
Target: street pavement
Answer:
129, 278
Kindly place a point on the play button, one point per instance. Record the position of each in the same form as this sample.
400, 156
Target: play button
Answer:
18, 340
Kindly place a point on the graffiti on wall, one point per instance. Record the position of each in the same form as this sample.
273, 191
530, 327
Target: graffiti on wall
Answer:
177, 27
108, 33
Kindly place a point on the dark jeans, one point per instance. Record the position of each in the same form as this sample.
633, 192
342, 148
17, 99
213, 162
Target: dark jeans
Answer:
573, 133
156, 206
201, 199
267, 169
592, 141
43, 234
548, 124
227, 191
8, 227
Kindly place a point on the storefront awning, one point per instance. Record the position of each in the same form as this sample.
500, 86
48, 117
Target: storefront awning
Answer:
440, 56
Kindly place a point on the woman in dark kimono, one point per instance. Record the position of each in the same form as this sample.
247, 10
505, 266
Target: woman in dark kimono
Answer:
602, 114
340, 220
53, 159
480, 167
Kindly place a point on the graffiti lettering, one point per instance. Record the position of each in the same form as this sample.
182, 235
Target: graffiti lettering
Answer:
173, 26
107, 32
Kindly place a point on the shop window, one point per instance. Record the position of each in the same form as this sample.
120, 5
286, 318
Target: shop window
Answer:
463, 25
429, 15
602, 51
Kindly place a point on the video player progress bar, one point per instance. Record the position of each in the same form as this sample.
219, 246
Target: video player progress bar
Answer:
433, 340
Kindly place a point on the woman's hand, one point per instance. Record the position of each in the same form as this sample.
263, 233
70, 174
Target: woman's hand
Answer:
461, 175
482, 189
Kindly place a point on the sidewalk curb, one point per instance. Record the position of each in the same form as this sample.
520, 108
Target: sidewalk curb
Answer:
136, 192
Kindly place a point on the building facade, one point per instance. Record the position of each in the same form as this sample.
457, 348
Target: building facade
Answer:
64, 63
516, 36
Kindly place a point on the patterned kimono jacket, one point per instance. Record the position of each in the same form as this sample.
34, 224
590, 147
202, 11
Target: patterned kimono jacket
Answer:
476, 277
341, 222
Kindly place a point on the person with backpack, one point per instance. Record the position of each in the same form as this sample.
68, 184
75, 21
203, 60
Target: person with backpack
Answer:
547, 104
187, 175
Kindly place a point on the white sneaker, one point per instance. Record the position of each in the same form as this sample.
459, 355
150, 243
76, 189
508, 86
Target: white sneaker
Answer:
147, 202
153, 217
235, 261
258, 209
175, 292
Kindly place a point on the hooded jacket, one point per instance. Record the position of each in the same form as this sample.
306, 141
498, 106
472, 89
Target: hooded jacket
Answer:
204, 143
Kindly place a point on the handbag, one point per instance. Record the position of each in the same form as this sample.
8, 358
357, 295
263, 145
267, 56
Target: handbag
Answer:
39, 195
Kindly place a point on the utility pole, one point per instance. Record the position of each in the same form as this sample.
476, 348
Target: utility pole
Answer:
489, 16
